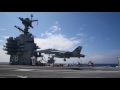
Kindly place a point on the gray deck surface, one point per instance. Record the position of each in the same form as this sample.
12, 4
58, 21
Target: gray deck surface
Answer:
14, 71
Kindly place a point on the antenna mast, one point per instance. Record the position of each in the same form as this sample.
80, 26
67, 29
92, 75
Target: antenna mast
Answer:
27, 23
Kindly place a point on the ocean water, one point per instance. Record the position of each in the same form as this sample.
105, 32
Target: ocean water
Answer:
96, 65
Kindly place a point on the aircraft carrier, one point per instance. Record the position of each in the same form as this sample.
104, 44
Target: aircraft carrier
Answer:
23, 60
24, 51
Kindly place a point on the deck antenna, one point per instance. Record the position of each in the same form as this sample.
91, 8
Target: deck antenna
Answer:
36, 29
37, 23
31, 17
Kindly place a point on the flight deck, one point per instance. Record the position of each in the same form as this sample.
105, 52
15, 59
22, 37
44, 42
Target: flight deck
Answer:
21, 71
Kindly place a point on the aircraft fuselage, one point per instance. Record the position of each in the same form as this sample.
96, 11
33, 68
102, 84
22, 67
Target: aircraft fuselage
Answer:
68, 55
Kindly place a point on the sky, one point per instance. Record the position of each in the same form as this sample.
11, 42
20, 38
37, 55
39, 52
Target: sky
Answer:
97, 32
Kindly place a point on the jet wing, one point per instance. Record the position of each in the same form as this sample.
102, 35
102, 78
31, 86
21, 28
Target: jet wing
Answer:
58, 51
55, 50
49, 51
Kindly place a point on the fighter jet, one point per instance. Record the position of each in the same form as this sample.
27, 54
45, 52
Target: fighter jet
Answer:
64, 54
68, 54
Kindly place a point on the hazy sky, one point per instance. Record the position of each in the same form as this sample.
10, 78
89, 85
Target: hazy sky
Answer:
97, 32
